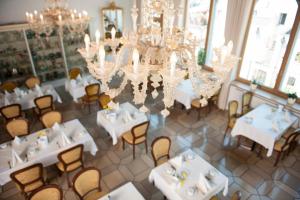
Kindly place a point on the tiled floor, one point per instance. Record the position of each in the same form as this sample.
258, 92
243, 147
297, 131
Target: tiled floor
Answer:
256, 178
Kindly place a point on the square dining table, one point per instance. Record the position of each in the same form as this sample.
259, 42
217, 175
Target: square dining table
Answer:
47, 155
258, 126
117, 127
195, 167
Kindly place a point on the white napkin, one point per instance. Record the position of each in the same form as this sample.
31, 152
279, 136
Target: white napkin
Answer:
56, 127
64, 140
275, 126
6, 101
287, 117
73, 83
128, 116
16, 140
6, 93
17, 91
78, 78
15, 158
85, 82
203, 184
39, 90
115, 106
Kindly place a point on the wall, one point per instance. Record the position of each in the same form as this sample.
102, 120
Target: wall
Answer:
13, 11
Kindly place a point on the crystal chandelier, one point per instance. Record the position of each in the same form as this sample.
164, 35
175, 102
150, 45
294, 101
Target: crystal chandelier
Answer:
157, 51
56, 15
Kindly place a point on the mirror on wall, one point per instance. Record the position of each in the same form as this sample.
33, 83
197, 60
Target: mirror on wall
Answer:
112, 16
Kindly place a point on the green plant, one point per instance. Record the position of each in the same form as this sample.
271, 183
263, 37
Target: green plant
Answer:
201, 56
292, 95
254, 82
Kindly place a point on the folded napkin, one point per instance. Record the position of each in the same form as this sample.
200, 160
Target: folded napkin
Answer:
39, 90
78, 78
115, 106
73, 83
15, 158
17, 91
203, 184
85, 82
16, 140
287, 117
128, 116
6, 93
56, 127
64, 140
275, 126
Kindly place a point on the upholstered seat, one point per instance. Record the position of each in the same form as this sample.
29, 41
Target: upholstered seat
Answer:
104, 100
17, 127
128, 137
232, 115
74, 72
196, 103
160, 149
70, 167
89, 98
92, 92
11, 111
246, 102
94, 195
50, 118
8, 86
32, 82
51, 192
279, 144
43, 104
231, 122
33, 186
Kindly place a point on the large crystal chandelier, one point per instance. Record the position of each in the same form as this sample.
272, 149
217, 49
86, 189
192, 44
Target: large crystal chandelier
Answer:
158, 51
57, 15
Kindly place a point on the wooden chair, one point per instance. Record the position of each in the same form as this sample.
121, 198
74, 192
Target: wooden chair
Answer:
17, 127
137, 135
197, 106
52, 192
50, 118
236, 196
12, 111
232, 115
8, 86
294, 143
103, 101
86, 184
74, 72
32, 82
70, 160
28, 179
283, 145
214, 100
92, 94
43, 104
160, 150
246, 102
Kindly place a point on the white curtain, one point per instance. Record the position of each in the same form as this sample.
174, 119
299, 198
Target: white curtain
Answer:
238, 12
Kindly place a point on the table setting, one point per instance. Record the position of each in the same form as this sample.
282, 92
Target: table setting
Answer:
265, 125
25, 97
119, 118
76, 87
127, 190
43, 147
188, 176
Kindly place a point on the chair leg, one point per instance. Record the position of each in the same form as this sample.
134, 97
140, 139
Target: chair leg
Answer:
253, 146
123, 144
226, 132
146, 146
133, 148
199, 112
277, 159
69, 183
89, 108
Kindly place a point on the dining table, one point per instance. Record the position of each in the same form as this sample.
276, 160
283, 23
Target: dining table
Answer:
188, 176
126, 191
118, 121
25, 97
264, 125
30, 150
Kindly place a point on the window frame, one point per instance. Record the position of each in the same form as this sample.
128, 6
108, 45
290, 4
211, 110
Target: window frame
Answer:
276, 89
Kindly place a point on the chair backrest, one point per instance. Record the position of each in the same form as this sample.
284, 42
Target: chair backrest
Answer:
74, 72
92, 89
50, 118
71, 155
291, 138
236, 196
86, 181
52, 192
104, 100
28, 175
232, 108
32, 81
44, 102
8, 86
140, 130
11, 111
17, 127
246, 100
160, 148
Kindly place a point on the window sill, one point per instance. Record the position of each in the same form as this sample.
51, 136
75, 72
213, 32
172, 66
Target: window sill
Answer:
268, 97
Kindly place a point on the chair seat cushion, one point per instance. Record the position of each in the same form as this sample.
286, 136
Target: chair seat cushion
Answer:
70, 167
37, 111
129, 138
279, 144
196, 103
33, 186
162, 160
214, 198
231, 122
94, 195
88, 99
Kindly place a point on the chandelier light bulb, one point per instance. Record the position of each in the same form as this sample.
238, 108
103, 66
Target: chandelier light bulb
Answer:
97, 36
135, 59
101, 57
87, 43
42, 18
173, 60
35, 12
59, 18
113, 33
72, 16
84, 13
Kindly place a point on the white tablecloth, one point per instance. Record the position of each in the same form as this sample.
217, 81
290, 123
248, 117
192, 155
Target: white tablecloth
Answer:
185, 94
119, 126
78, 90
27, 101
48, 155
195, 167
126, 191
261, 129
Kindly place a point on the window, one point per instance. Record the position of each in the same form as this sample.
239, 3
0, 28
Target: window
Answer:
291, 77
272, 47
217, 32
198, 19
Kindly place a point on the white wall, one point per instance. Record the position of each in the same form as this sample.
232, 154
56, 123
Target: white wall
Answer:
13, 11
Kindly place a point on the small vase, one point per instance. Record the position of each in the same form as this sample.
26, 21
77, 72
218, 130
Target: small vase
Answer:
253, 86
291, 101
